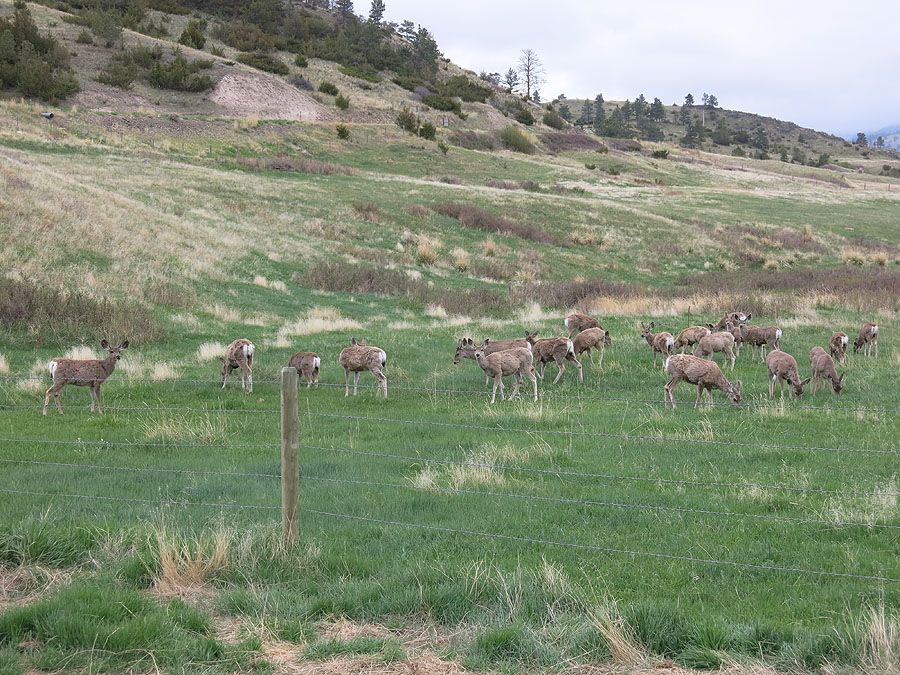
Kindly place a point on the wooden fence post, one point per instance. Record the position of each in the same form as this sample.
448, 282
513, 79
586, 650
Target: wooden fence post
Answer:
290, 465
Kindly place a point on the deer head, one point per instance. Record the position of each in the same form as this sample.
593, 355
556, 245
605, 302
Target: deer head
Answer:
464, 350
798, 387
734, 391
647, 330
839, 385
114, 351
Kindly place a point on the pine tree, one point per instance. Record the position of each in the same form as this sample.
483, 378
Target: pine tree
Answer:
565, 112
691, 137
639, 107
599, 114
376, 13
587, 114
344, 7
536, 96
879, 142
511, 80
407, 30
861, 140
712, 101
689, 101
657, 111
626, 110
721, 135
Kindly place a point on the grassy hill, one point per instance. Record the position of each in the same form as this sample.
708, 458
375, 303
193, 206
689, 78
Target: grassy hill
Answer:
594, 529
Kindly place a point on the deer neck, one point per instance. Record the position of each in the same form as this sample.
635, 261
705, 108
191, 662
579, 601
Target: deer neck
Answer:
108, 364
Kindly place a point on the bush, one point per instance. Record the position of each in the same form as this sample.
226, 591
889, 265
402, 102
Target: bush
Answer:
660, 154
342, 102
513, 139
553, 120
343, 132
329, 88
557, 141
525, 117
300, 61
738, 152
460, 86
408, 121
285, 163
366, 73
263, 61
301, 83
118, 74
84, 38
590, 166
427, 131
441, 103
178, 76
473, 140
194, 34
443, 147
244, 37
479, 219
105, 26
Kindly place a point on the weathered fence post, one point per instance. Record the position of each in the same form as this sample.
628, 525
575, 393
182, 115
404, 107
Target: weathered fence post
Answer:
290, 465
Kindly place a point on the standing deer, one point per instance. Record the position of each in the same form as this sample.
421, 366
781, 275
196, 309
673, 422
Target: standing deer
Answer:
762, 337
239, 354
867, 339
559, 350
661, 343
837, 345
577, 322
465, 348
517, 361
590, 339
83, 373
690, 336
721, 341
705, 374
822, 366
358, 357
783, 368
737, 318
307, 364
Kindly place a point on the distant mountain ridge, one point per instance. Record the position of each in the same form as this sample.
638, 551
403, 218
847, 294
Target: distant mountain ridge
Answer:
891, 134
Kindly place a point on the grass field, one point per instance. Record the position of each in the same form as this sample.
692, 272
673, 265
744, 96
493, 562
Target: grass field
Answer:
593, 527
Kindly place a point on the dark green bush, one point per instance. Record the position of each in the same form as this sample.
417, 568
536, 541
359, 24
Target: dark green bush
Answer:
342, 102
368, 74
178, 76
194, 34
553, 120
525, 117
244, 37
462, 87
660, 154
118, 74
329, 88
263, 61
343, 132
513, 139
300, 61
441, 103
408, 121
427, 131
84, 38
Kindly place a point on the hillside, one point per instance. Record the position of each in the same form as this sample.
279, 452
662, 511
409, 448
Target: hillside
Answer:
593, 531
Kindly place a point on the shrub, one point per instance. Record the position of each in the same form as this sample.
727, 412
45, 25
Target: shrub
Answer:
301, 61
408, 121
194, 34
441, 103
525, 117
343, 132
244, 37
473, 140
342, 102
476, 218
118, 74
263, 61
460, 86
426, 252
105, 26
366, 73
285, 163
513, 139
217, 51
177, 76
590, 166
660, 154
84, 38
329, 88
301, 83
738, 152
552, 119
556, 142
443, 147
427, 131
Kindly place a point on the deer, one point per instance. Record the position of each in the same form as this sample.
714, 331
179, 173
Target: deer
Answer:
783, 368
867, 339
705, 374
465, 348
822, 367
762, 337
662, 343
720, 341
837, 346
559, 350
590, 339
83, 373
577, 322
307, 365
737, 318
517, 361
690, 336
239, 355
360, 356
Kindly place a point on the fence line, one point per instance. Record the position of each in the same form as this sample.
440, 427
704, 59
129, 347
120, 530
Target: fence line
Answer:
137, 469
138, 500
616, 505
138, 444
605, 476
604, 549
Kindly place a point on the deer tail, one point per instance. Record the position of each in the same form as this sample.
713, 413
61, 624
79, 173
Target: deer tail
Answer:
51, 366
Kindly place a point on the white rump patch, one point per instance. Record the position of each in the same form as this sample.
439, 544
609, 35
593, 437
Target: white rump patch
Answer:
666, 364
874, 330
530, 347
845, 340
566, 322
777, 333
383, 356
249, 349
570, 346
670, 342
317, 362
52, 368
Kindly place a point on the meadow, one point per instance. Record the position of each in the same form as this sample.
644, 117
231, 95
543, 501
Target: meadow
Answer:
593, 527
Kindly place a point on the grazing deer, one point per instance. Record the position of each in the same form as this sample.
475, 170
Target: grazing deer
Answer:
705, 374
559, 350
82, 373
837, 345
590, 339
762, 337
721, 341
239, 354
307, 364
517, 361
577, 322
690, 336
662, 343
359, 356
822, 366
783, 368
867, 339
737, 318
465, 348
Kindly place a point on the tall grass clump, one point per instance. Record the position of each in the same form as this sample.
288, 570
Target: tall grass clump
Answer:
514, 139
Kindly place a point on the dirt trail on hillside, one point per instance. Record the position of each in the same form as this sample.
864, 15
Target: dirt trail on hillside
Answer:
251, 94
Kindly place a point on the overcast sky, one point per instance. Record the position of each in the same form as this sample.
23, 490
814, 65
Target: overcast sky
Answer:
833, 66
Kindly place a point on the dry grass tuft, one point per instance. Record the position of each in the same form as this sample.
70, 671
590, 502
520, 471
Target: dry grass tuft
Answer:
81, 352
880, 645
427, 251
461, 259
4, 365
316, 320
418, 211
584, 237
184, 566
163, 371
491, 248
261, 281
224, 314
368, 211
210, 351
187, 428
299, 165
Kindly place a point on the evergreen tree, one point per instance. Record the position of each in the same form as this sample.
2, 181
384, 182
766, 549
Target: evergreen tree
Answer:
689, 101
657, 112
536, 96
639, 107
344, 7
879, 142
691, 137
684, 116
599, 114
376, 12
712, 101
760, 139
565, 112
587, 114
407, 30
626, 110
511, 80
861, 140
721, 135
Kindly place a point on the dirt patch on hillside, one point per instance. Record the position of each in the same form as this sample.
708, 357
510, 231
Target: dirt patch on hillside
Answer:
250, 94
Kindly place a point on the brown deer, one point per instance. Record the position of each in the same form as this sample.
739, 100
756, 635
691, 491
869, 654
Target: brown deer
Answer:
721, 341
83, 373
307, 365
590, 339
577, 322
737, 318
705, 374
359, 356
762, 337
783, 368
239, 355
867, 339
465, 348
690, 336
517, 361
559, 350
661, 343
837, 345
822, 366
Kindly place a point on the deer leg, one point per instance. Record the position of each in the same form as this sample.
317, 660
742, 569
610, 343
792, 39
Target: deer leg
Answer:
772, 386
54, 392
225, 373
533, 379
578, 366
346, 383
498, 382
517, 382
93, 397
355, 383
382, 380
669, 392
249, 379
561, 366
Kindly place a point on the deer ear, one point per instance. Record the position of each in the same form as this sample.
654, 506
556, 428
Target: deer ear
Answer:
124, 345
841, 378
104, 344
486, 340
652, 324
749, 316
805, 382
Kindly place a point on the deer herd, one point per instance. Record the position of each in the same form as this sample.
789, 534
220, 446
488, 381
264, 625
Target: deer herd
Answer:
527, 357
